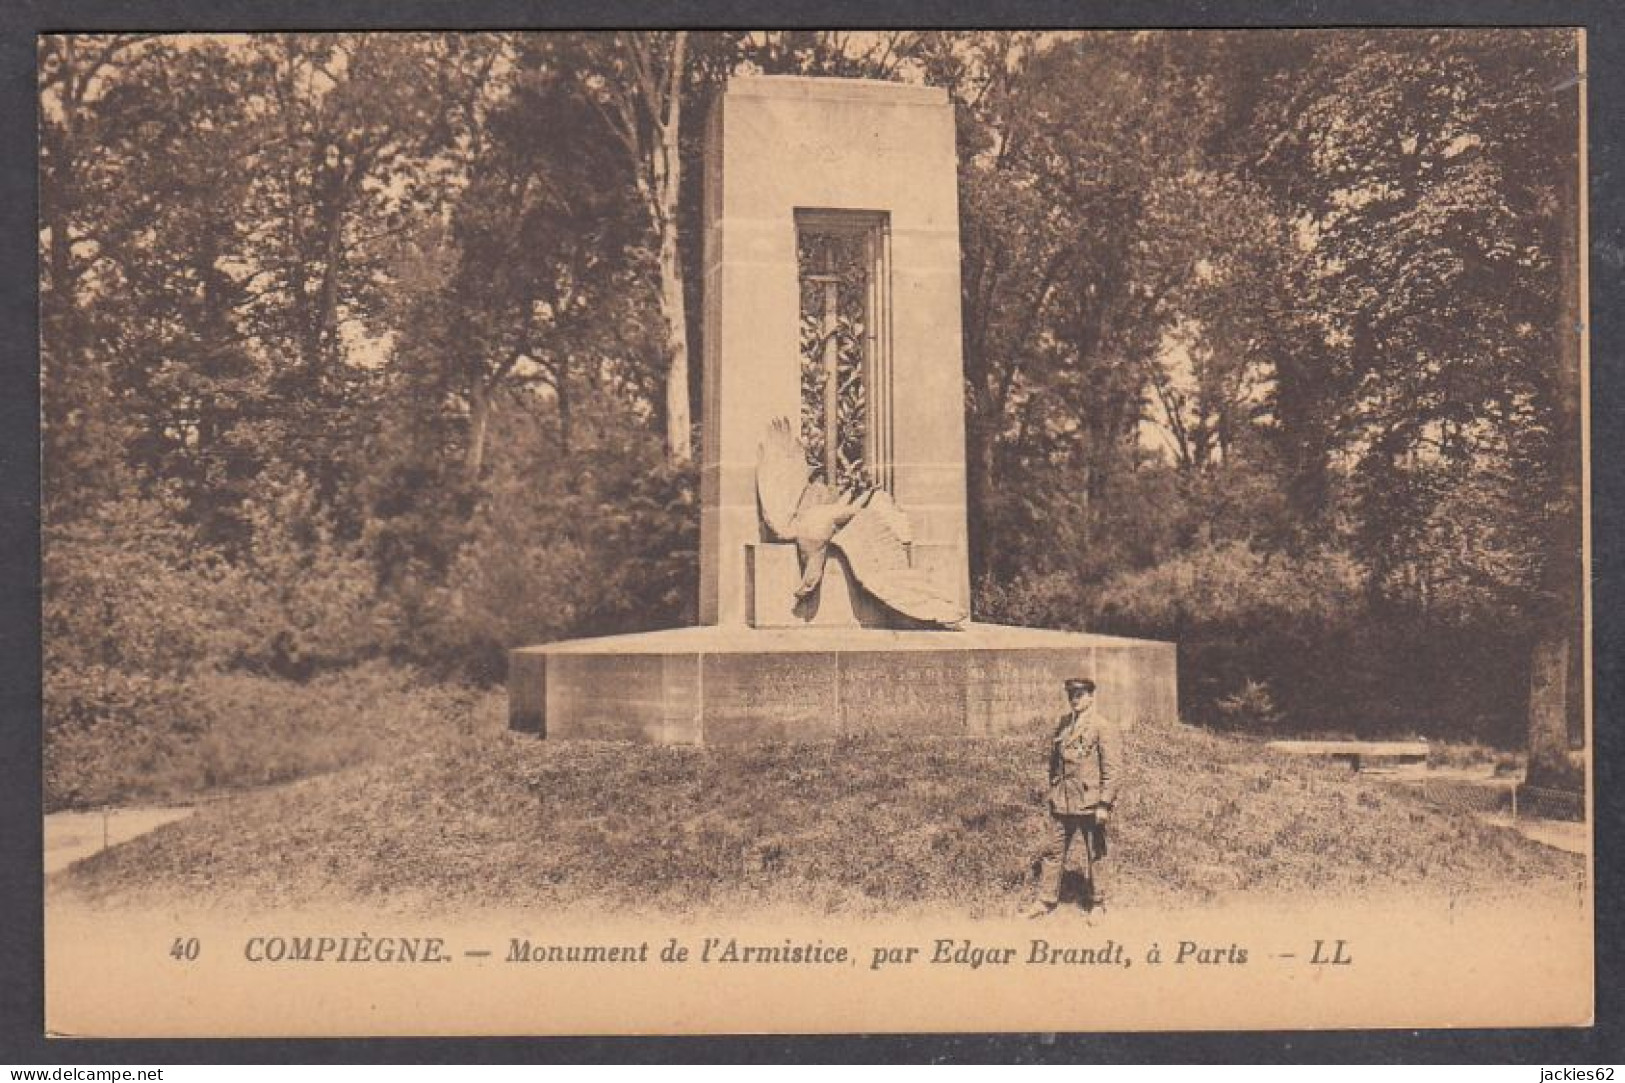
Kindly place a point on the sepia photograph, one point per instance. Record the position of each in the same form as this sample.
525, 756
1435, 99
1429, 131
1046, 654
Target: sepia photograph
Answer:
812, 531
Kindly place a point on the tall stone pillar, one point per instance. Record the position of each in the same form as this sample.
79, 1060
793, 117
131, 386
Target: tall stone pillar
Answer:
776, 146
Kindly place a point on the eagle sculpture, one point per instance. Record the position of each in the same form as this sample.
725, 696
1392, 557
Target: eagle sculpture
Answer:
867, 527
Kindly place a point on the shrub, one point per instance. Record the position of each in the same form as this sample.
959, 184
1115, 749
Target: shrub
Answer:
1052, 600
113, 737
129, 588
1306, 630
111, 733
1231, 585
308, 601
1257, 632
1250, 708
604, 544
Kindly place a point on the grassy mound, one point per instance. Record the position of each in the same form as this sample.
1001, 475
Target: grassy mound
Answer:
856, 825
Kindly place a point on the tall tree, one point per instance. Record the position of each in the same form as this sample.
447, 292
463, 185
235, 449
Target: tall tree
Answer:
82, 110
1068, 149
354, 132
532, 279
641, 86
841, 54
1434, 175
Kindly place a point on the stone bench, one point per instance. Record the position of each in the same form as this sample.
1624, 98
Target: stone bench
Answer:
1361, 755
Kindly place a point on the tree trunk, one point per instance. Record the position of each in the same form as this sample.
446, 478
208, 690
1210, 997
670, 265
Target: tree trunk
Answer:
644, 108
479, 421
566, 414
323, 329
678, 421
1548, 711
979, 462
1552, 698
672, 304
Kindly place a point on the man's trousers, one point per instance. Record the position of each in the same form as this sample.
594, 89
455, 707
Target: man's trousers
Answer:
1068, 834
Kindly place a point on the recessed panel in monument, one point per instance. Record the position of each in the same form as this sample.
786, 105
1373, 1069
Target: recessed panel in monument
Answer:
842, 268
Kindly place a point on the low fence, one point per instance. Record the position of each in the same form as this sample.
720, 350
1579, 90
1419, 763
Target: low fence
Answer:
1550, 804
1501, 796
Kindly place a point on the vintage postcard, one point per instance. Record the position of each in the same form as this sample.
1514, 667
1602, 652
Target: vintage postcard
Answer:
812, 532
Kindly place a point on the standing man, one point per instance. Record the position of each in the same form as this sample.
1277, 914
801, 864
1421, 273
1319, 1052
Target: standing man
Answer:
1085, 762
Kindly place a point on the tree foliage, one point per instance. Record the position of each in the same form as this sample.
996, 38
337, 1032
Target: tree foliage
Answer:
363, 346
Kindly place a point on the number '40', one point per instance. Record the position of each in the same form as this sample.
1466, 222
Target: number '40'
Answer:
185, 948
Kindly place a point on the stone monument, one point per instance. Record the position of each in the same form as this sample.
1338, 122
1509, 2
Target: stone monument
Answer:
832, 317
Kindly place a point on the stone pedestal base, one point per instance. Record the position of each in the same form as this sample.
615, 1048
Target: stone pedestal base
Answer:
713, 685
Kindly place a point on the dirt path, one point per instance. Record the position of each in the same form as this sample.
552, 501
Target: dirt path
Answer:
1558, 834
73, 836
